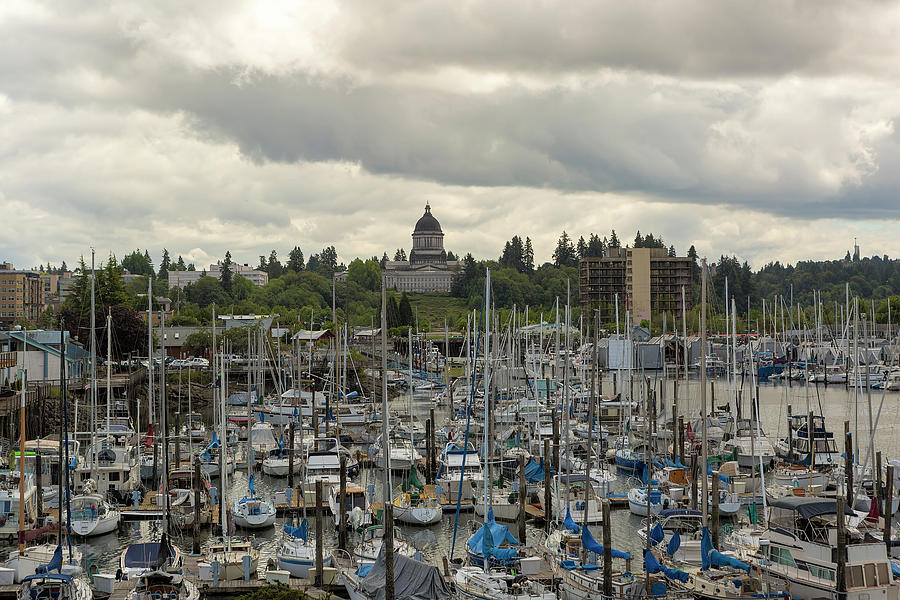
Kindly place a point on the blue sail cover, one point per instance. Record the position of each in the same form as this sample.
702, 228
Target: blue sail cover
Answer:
653, 566
570, 523
534, 470
723, 478
251, 486
657, 534
301, 532
499, 534
591, 545
674, 544
706, 547
720, 560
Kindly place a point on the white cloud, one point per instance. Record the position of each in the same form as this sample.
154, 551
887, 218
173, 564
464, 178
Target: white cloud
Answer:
207, 126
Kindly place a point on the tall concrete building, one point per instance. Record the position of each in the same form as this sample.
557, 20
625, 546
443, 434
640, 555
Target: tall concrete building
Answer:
647, 280
427, 269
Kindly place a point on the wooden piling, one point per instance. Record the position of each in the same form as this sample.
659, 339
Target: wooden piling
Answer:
841, 561
522, 497
693, 480
848, 462
555, 441
342, 527
607, 550
879, 488
681, 438
319, 537
195, 539
888, 503
388, 551
714, 513
39, 492
547, 491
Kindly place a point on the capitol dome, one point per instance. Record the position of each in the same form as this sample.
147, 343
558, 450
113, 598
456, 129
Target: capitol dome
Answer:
427, 222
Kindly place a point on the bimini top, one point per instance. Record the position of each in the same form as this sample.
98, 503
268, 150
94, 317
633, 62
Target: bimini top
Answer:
810, 507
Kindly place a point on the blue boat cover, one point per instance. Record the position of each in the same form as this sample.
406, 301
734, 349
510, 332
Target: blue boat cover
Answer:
706, 547
570, 523
723, 478
591, 545
498, 535
657, 534
363, 570
52, 576
534, 470
720, 560
674, 544
653, 566
301, 532
144, 555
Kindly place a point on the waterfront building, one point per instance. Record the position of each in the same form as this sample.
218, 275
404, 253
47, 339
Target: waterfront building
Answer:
647, 280
21, 295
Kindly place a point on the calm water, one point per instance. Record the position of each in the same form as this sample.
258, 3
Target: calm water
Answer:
835, 402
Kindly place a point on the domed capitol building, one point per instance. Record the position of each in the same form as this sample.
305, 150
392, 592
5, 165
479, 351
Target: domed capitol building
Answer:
427, 269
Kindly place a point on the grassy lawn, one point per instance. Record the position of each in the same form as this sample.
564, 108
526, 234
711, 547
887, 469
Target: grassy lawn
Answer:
434, 308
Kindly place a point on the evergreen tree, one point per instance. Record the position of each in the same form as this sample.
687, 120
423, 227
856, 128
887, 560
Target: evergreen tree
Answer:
451, 256
614, 240
581, 248
400, 254
111, 285
191, 267
406, 312
226, 272
672, 251
528, 256
564, 255
262, 266
180, 266
638, 240
384, 260
295, 260
164, 265
273, 267
63, 266
595, 246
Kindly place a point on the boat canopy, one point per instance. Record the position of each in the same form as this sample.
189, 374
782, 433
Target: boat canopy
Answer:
809, 507
412, 579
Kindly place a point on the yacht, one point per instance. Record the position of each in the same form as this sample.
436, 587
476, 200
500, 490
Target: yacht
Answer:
460, 471
10, 503
796, 448
112, 463
797, 551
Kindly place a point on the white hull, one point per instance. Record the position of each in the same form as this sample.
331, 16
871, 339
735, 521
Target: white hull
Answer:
280, 467
89, 527
425, 515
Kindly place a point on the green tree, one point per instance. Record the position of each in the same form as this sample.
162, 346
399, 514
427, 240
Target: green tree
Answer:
406, 314
226, 272
528, 256
295, 260
564, 255
165, 265
366, 274
614, 240
137, 264
273, 266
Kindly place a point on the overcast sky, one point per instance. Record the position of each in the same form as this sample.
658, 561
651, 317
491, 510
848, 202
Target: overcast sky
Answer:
765, 130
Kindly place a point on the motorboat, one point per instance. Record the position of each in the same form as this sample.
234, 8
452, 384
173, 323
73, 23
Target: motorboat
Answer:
643, 502
53, 586
10, 503
460, 471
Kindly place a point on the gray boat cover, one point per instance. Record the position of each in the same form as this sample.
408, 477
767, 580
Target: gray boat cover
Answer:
413, 580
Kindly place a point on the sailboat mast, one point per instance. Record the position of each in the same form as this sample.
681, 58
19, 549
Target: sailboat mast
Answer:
108, 368
412, 461
385, 429
704, 480
164, 416
487, 394
93, 382
150, 351
22, 445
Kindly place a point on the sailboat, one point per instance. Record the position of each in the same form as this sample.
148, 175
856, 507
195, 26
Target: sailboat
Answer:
295, 553
251, 512
46, 585
92, 514
228, 556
